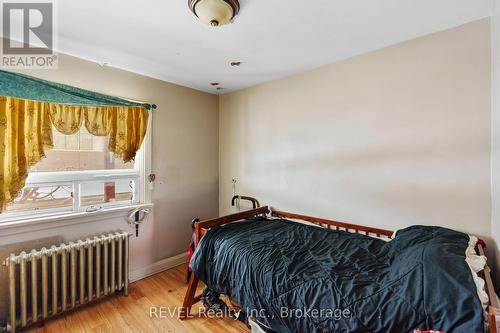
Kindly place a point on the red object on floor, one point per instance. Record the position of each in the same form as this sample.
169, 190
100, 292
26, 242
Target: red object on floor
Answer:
431, 331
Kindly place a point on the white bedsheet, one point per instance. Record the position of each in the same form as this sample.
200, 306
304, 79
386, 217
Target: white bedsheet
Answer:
476, 264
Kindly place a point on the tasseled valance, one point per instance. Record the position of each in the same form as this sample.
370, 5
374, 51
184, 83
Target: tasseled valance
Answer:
29, 107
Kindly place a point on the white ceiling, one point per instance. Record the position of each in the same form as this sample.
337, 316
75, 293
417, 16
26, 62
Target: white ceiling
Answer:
273, 38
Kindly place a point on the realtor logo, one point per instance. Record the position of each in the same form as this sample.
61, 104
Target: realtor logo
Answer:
28, 35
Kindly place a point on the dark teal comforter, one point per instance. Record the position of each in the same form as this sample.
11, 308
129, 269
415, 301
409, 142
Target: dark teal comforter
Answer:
300, 278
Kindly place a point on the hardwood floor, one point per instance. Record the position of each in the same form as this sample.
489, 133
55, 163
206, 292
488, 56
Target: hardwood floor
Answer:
132, 313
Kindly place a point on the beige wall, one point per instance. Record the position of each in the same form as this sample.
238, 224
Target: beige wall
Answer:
495, 126
395, 137
185, 150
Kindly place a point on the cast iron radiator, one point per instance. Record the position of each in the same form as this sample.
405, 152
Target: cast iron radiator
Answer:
46, 282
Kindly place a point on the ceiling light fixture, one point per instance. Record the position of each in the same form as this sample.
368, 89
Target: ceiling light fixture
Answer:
215, 12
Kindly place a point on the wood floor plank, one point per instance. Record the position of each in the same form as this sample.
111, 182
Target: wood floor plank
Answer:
132, 314
112, 317
90, 317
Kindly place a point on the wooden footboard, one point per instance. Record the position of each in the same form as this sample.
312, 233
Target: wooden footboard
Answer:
201, 228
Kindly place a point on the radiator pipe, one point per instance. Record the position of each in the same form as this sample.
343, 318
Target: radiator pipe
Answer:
82, 272
23, 284
45, 284
97, 267
34, 286
73, 275
64, 280
126, 264
90, 270
12, 293
112, 283
54, 281
106, 258
120, 263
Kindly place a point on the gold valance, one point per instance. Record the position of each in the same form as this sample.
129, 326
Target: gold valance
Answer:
26, 133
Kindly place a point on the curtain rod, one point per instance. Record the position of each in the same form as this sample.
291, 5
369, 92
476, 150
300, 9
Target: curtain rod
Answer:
153, 106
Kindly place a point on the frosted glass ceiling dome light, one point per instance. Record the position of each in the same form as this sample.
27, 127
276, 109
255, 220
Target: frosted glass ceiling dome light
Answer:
215, 12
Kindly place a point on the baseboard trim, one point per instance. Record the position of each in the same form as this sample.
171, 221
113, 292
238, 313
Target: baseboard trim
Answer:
158, 267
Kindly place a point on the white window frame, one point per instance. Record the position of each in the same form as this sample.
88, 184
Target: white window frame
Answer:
139, 174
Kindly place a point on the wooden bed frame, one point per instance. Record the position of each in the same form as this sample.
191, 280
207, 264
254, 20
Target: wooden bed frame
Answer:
201, 227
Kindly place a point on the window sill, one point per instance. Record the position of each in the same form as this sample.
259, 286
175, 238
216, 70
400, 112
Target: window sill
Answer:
62, 219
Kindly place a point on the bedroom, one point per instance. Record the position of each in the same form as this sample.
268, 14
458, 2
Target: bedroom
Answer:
383, 115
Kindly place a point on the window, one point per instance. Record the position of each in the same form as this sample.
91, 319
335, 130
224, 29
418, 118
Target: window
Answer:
79, 152
80, 175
